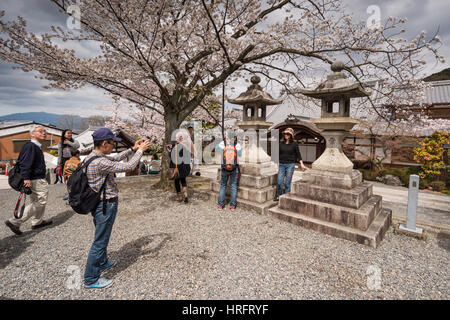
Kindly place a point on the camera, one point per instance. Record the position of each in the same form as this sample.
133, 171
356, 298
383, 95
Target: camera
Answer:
27, 190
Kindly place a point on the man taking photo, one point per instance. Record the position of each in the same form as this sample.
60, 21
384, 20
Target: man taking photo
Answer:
100, 171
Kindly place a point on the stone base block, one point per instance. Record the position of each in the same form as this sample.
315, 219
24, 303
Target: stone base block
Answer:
266, 168
254, 181
332, 179
249, 193
370, 237
258, 182
260, 208
355, 218
351, 198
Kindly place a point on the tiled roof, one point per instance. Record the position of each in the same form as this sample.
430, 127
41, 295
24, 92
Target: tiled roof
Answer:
8, 124
439, 93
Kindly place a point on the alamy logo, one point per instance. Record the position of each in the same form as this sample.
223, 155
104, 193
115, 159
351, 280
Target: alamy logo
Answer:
374, 277
74, 21
374, 20
74, 280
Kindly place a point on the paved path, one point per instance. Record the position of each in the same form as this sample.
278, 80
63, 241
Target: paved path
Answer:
4, 182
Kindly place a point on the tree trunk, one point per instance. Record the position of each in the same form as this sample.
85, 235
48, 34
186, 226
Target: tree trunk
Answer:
171, 124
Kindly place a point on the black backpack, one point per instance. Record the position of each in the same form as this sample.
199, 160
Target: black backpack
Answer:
82, 198
15, 179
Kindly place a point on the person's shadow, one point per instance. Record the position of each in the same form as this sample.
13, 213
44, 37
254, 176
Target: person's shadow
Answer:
130, 252
13, 246
443, 239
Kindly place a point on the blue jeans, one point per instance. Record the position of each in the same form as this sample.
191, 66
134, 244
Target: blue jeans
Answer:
285, 170
97, 258
233, 188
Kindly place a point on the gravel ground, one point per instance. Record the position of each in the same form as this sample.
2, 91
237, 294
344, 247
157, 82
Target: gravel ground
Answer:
167, 250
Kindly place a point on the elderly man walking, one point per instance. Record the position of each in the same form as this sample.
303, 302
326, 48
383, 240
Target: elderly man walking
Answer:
32, 168
101, 172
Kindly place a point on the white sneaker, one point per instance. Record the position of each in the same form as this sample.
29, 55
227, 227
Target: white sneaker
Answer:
101, 283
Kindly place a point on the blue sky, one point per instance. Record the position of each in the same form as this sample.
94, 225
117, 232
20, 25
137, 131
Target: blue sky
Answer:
21, 92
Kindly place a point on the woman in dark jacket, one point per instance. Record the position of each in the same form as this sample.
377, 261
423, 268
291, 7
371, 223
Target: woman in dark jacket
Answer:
182, 160
65, 148
288, 153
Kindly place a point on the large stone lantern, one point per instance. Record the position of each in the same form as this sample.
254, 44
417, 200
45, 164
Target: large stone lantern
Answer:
257, 185
332, 197
335, 122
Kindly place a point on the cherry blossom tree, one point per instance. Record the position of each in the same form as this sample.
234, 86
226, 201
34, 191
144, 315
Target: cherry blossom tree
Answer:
168, 56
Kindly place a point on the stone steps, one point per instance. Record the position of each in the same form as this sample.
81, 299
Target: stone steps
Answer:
356, 218
352, 198
371, 237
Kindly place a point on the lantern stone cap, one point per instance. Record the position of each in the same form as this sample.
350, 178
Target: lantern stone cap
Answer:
254, 125
337, 84
255, 94
336, 123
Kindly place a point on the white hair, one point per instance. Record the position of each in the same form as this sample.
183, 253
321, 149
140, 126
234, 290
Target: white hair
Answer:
34, 127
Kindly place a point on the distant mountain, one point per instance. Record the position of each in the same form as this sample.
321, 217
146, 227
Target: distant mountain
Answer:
438, 76
60, 120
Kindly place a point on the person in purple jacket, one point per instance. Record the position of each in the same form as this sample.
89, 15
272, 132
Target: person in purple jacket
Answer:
32, 168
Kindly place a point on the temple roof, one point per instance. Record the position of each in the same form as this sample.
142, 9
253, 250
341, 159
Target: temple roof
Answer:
337, 84
255, 94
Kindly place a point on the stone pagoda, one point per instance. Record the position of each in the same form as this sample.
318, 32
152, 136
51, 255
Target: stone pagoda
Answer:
332, 197
257, 185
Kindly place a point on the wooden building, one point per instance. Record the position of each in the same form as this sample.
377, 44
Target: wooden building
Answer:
14, 135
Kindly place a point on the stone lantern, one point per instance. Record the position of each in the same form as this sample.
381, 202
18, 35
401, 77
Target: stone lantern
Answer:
257, 185
254, 102
335, 122
332, 197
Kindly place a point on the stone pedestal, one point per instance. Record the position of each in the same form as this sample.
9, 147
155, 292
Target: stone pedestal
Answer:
333, 158
338, 204
257, 187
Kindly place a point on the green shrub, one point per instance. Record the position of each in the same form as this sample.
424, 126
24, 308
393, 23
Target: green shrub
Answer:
446, 192
438, 185
402, 173
424, 184
369, 174
53, 152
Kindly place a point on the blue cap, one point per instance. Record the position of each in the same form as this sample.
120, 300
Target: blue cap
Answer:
104, 134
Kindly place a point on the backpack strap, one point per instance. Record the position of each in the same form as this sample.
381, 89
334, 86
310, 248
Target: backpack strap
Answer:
104, 194
85, 162
103, 188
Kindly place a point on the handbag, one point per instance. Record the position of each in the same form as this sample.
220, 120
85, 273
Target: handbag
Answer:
15, 179
173, 173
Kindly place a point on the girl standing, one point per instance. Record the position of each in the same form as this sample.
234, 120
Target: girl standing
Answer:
288, 153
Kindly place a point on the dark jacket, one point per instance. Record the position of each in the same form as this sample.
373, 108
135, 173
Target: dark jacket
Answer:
31, 162
75, 145
289, 153
184, 167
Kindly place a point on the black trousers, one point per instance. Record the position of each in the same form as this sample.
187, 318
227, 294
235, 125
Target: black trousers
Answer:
177, 183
